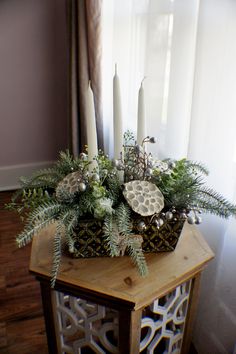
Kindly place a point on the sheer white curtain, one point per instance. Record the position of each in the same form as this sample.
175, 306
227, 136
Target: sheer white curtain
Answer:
187, 51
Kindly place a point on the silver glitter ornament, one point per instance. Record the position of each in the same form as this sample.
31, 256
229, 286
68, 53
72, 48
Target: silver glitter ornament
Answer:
191, 220
141, 226
115, 163
161, 222
169, 215
95, 177
156, 222
82, 187
198, 220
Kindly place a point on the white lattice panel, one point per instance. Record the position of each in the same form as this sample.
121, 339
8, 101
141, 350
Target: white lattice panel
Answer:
84, 327
163, 322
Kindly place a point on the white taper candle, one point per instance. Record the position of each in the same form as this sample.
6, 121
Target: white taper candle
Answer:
141, 126
91, 128
117, 116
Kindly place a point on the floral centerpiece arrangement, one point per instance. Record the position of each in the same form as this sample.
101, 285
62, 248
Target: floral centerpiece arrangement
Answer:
134, 204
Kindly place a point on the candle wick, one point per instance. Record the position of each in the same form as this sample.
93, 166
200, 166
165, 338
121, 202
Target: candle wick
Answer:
116, 68
143, 80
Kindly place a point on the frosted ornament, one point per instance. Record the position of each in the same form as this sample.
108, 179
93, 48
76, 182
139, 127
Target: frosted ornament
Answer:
143, 197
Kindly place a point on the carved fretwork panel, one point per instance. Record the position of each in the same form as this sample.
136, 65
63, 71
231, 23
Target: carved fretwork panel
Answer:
163, 322
84, 327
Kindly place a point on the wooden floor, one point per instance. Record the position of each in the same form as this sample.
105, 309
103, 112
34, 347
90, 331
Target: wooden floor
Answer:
22, 329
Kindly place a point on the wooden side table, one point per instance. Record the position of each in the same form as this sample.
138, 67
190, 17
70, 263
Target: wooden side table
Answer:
102, 305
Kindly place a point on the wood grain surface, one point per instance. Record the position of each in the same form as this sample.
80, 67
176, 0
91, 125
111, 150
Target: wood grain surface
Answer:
117, 279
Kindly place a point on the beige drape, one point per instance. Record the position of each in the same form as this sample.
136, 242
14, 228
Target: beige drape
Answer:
85, 64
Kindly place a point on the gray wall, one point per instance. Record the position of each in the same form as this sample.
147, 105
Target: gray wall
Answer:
33, 86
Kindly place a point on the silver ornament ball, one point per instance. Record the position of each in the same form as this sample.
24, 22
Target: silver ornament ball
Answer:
161, 222
115, 162
169, 215
156, 222
191, 220
95, 177
198, 220
82, 187
141, 226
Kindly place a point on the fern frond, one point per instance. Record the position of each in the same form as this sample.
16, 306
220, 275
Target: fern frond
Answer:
56, 254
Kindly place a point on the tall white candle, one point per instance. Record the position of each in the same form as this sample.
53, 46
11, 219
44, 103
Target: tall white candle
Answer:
117, 117
91, 128
141, 126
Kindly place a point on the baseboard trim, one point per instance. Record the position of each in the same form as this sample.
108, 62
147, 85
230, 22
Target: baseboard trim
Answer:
9, 175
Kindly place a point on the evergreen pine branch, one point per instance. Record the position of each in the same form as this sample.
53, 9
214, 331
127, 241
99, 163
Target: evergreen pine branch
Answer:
136, 253
213, 202
86, 202
122, 217
69, 219
56, 254
46, 178
37, 220
198, 167
113, 189
67, 163
111, 235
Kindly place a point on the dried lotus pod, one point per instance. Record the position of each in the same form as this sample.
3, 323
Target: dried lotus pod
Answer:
143, 197
69, 184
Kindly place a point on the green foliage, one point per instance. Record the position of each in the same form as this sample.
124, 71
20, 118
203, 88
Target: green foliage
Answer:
138, 258
38, 219
122, 216
214, 203
56, 254
44, 198
114, 191
118, 226
110, 233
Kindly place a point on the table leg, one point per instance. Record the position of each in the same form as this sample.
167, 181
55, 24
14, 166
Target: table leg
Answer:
49, 317
129, 331
188, 331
